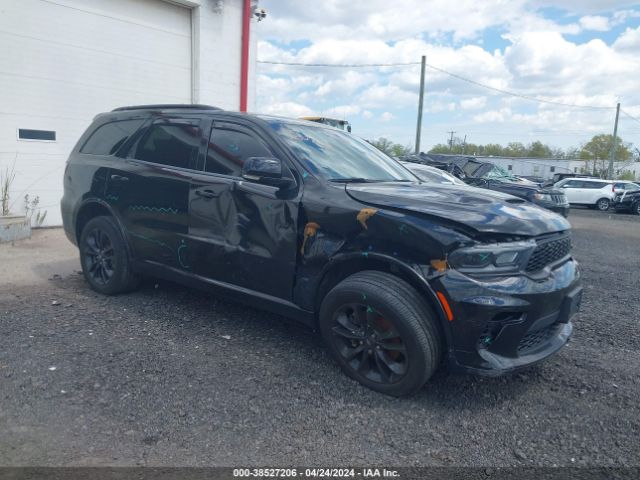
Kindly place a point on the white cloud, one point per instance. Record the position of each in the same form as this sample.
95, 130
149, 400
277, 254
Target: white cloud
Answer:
387, 117
622, 16
629, 41
493, 116
541, 60
287, 109
584, 6
595, 22
473, 103
292, 19
342, 111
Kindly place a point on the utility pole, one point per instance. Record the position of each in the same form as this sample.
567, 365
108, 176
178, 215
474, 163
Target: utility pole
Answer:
451, 141
464, 144
420, 104
612, 158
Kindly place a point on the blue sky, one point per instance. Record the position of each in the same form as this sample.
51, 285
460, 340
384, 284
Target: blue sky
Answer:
583, 52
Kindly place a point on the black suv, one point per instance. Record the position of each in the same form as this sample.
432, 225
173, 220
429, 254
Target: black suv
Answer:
627, 198
315, 224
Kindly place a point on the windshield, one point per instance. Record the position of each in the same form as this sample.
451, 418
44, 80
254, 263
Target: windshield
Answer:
499, 173
336, 155
434, 176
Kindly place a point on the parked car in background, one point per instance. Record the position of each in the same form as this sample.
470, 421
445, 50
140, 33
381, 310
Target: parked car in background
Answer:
592, 192
561, 176
627, 198
316, 224
478, 173
433, 174
532, 178
621, 186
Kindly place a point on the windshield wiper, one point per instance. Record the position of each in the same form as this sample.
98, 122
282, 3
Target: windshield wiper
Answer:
363, 180
353, 180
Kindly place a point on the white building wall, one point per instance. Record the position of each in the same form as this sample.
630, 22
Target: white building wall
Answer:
64, 61
217, 45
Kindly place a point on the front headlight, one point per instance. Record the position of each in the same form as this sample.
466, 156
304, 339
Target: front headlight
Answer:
543, 197
492, 258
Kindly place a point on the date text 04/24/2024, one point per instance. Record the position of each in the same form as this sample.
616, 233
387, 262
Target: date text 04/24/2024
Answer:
315, 472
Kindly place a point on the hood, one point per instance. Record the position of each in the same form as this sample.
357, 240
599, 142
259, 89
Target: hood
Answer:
482, 210
529, 188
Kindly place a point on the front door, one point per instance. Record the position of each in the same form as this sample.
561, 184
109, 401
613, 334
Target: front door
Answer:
574, 191
150, 190
242, 233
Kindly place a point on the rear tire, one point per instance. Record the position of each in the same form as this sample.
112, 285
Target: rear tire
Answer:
105, 258
603, 204
381, 332
636, 208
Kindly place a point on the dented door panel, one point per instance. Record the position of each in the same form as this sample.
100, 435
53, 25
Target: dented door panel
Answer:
243, 235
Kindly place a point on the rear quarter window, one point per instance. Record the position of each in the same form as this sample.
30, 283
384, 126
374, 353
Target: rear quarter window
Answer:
108, 138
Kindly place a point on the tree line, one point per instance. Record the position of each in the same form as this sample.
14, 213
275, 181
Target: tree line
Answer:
596, 149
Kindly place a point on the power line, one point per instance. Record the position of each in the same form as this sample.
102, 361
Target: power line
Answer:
339, 65
630, 116
513, 94
441, 70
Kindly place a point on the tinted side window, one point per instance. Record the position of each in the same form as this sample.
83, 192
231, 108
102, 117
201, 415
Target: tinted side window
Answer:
573, 184
228, 149
109, 137
170, 144
595, 185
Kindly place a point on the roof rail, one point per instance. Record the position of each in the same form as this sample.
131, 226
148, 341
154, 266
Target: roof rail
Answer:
167, 106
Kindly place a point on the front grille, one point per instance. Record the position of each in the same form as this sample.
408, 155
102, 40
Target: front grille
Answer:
560, 199
549, 252
533, 340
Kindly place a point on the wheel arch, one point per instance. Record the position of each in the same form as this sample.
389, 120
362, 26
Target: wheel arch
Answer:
345, 265
95, 207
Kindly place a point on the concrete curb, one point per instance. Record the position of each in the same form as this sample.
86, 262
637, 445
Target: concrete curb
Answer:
14, 228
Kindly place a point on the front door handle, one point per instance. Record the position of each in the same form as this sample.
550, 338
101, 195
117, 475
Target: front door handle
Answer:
206, 193
119, 178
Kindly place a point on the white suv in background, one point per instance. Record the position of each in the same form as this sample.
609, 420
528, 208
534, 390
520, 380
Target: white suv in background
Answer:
593, 192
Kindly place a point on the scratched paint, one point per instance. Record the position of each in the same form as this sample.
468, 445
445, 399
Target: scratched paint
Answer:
145, 208
310, 230
364, 215
182, 250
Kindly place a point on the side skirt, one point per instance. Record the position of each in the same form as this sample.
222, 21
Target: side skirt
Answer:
227, 291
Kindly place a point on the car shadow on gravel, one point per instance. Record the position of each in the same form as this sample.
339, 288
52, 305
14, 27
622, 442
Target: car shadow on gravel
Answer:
198, 314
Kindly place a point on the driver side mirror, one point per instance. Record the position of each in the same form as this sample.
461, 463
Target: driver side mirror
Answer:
265, 170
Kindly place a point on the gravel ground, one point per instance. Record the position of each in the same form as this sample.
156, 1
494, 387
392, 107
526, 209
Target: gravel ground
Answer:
169, 376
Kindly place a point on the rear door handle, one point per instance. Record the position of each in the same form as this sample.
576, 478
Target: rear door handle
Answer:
119, 178
206, 193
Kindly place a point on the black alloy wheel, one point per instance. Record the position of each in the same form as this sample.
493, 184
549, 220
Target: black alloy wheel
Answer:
369, 343
104, 257
99, 256
382, 332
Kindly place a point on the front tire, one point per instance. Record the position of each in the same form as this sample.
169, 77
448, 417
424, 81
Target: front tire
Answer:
104, 257
636, 208
381, 332
603, 204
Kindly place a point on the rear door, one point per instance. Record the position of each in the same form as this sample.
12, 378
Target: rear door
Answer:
242, 233
598, 190
150, 189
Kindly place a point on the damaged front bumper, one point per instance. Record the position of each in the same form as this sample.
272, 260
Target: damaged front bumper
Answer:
501, 324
